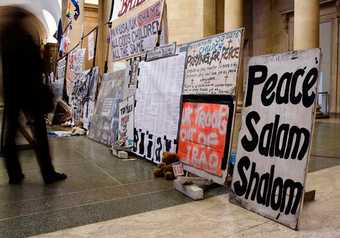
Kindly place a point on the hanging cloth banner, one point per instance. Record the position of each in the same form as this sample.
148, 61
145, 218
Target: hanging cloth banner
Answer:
136, 32
121, 7
276, 133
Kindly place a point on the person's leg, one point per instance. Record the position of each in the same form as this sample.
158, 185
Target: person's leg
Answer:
42, 151
11, 113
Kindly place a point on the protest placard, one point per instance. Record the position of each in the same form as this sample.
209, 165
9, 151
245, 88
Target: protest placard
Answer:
212, 64
126, 122
276, 132
137, 32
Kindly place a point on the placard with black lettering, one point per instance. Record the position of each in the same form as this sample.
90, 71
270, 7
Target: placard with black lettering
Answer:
276, 133
137, 31
158, 106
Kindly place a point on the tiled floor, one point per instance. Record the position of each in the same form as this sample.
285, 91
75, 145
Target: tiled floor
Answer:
101, 187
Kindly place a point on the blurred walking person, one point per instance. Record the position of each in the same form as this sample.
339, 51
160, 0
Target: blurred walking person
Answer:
24, 91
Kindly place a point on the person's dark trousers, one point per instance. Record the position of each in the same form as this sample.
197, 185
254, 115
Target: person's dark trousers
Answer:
11, 114
41, 145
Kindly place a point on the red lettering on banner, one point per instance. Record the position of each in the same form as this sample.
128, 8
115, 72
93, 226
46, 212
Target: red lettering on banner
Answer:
150, 14
127, 5
202, 136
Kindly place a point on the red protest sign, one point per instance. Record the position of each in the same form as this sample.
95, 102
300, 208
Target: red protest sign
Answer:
202, 136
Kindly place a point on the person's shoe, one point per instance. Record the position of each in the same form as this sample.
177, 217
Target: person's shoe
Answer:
17, 179
54, 177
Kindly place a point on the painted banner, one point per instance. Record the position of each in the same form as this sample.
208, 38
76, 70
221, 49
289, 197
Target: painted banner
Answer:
78, 95
75, 62
137, 32
212, 65
276, 132
121, 7
203, 136
158, 106
126, 122
104, 125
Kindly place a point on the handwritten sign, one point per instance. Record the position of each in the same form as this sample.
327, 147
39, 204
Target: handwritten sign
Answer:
161, 52
126, 122
202, 137
136, 32
276, 133
212, 65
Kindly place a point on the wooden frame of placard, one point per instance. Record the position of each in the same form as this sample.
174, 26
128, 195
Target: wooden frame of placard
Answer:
134, 12
239, 200
205, 99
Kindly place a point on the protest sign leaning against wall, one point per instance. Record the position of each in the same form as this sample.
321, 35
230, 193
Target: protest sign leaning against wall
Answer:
137, 31
276, 132
158, 106
212, 64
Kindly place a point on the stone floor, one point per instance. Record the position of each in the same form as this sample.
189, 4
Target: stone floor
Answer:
216, 217
101, 187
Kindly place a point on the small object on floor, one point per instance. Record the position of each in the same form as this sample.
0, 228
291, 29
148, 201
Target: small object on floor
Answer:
77, 131
192, 191
16, 179
59, 133
165, 167
114, 152
54, 177
123, 155
199, 181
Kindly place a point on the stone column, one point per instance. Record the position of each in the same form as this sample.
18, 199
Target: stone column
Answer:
306, 24
233, 19
233, 14
307, 28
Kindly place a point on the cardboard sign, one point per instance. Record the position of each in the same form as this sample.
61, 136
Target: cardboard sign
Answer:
158, 107
126, 122
202, 139
212, 65
161, 52
276, 133
136, 32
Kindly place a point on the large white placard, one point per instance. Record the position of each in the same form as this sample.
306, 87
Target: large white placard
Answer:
158, 106
276, 133
212, 65
136, 32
